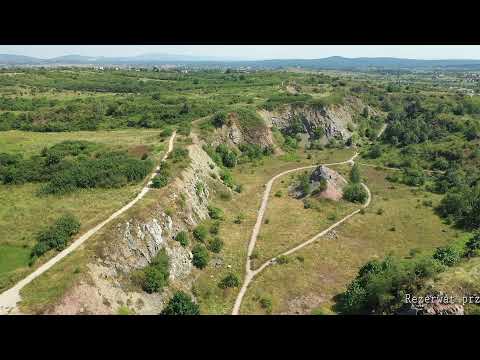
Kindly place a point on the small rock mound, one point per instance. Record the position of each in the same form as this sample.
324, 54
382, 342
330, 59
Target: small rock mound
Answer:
335, 182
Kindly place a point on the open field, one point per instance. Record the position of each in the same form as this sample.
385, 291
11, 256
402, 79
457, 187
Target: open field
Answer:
212, 299
317, 273
29, 143
290, 224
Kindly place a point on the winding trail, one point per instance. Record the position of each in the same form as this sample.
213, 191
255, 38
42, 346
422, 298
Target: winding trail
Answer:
10, 298
249, 273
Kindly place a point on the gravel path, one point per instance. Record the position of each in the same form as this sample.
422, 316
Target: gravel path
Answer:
10, 298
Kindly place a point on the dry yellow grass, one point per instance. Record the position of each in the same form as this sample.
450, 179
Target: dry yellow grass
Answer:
324, 268
214, 300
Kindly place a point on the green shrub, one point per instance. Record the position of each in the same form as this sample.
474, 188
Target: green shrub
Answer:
56, 236
178, 155
447, 255
266, 304
215, 227
355, 193
215, 245
181, 304
182, 238
215, 213
229, 281
355, 174
200, 256
473, 244
375, 152
200, 233
239, 219
219, 119
380, 286
282, 259
159, 181
166, 132
225, 196
156, 273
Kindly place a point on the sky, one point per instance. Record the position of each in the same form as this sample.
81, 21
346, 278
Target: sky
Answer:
253, 52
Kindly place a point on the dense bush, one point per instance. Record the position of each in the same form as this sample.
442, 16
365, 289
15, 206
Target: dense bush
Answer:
181, 304
215, 213
413, 177
178, 155
304, 185
71, 165
228, 157
355, 174
215, 245
108, 170
473, 244
200, 233
159, 181
355, 193
56, 236
182, 238
200, 256
380, 286
229, 281
447, 255
375, 152
219, 119
155, 276
462, 206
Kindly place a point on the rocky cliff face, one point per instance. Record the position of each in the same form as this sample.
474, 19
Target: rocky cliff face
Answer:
131, 244
233, 134
333, 120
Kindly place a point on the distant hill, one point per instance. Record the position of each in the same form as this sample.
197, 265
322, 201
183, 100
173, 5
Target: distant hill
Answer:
334, 62
18, 60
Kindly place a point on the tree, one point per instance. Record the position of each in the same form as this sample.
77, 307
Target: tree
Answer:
181, 304
229, 281
355, 174
200, 256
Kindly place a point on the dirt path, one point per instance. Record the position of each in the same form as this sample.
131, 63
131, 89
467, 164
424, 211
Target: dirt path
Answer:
380, 133
249, 273
10, 298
